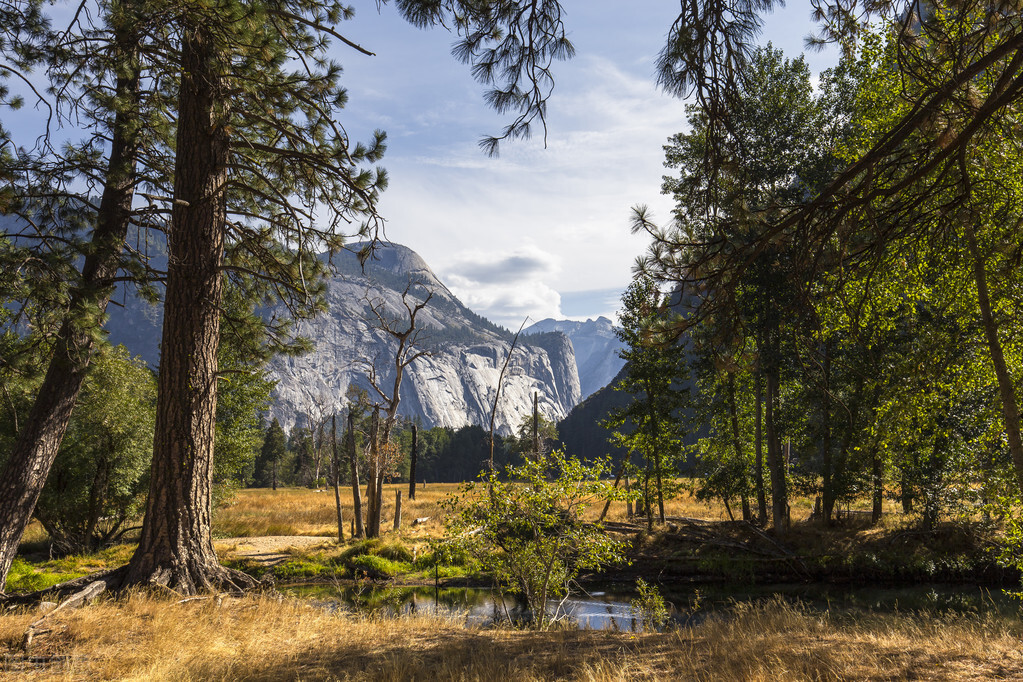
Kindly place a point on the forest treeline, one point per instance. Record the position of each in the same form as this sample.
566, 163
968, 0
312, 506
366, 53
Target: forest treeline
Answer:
833, 308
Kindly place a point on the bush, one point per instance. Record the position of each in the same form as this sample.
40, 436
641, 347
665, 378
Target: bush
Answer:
100, 476
649, 606
527, 531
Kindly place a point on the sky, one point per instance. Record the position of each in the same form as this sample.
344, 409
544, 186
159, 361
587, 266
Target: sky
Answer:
538, 232
543, 230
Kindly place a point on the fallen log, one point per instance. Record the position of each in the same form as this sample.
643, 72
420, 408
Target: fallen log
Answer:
90, 592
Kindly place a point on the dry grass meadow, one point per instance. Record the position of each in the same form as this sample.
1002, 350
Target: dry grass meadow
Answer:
301, 511
147, 637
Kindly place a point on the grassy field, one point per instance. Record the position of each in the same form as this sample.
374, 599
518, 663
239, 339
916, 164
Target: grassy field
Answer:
301, 511
270, 637
147, 637
289, 512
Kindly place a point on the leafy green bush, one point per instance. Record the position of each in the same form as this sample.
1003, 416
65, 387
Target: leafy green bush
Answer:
526, 529
649, 606
100, 476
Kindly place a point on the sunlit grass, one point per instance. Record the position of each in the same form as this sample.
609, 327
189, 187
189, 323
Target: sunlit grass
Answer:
301, 511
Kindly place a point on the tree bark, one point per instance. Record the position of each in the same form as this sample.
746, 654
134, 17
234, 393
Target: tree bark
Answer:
372, 486
733, 412
758, 471
877, 484
775, 459
360, 528
413, 457
655, 439
40, 436
841, 464
618, 478
827, 462
336, 462
176, 548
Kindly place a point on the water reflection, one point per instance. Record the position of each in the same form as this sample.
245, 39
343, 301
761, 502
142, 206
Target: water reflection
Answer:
600, 610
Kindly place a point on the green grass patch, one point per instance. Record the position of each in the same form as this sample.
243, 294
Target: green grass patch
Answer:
395, 550
301, 568
378, 567
27, 577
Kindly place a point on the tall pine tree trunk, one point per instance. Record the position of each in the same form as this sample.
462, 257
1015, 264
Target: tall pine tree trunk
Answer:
176, 548
40, 436
733, 412
353, 458
775, 459
877, 484
827, 460
758, 470
413, 457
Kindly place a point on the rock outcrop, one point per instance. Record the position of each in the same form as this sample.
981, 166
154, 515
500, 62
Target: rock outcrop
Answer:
454, 386
596, 349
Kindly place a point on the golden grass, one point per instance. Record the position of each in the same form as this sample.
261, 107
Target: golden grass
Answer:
301, 511
142, 637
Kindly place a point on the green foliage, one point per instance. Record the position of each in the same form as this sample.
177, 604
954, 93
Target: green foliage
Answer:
269, 464
522, 441
99, 479
243, 395
649, 605
526, 529
656, 377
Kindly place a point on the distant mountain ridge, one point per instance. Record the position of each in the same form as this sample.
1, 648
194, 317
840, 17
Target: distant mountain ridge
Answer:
453, 387
596, 349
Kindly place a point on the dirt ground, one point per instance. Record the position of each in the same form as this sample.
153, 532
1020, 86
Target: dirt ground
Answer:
268, 549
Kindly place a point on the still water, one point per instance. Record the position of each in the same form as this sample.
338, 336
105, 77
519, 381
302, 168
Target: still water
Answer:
687, 605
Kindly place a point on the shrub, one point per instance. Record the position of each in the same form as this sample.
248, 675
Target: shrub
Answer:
650, 606
527, 531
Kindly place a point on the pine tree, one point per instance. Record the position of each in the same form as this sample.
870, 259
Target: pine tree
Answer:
656, 376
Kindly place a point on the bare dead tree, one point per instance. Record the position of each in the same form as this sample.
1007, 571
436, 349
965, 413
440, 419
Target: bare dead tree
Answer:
336, 476
408, 336
500, 383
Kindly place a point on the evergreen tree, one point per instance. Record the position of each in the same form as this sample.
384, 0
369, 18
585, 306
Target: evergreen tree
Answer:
656, 376
271, 457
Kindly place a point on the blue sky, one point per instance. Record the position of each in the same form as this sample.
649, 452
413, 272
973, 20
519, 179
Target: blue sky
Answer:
537, 232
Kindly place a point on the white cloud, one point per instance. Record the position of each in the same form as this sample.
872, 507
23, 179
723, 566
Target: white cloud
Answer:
505, 287
571, 201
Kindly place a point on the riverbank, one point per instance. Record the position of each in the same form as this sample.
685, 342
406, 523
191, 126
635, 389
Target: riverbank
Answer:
258, 637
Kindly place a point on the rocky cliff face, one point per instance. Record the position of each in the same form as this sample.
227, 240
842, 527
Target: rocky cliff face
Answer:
454, 386
596, 349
